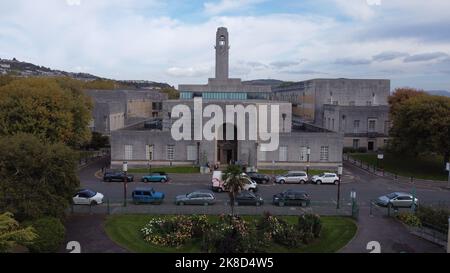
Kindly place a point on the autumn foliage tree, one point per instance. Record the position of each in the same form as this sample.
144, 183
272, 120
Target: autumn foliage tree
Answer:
420, 123
53, 109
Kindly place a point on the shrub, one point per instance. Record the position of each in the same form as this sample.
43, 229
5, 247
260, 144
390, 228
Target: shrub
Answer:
174, 232
50, 232
310, 225
436, 218
361, 150
409, 219
349, 150
200, 225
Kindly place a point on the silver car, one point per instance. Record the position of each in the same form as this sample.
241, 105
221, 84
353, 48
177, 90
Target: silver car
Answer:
397, 200
292, 177
199, 197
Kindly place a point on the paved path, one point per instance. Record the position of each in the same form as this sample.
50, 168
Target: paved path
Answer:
391, 234
89, 231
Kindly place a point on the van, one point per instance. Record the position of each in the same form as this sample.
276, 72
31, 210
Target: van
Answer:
217, 182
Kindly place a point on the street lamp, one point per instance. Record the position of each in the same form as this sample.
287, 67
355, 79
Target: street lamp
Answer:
308, 152
448, 170
339, 187
125, 180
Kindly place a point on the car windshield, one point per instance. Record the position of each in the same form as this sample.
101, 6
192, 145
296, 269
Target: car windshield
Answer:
321, 174
391, 195
89, 193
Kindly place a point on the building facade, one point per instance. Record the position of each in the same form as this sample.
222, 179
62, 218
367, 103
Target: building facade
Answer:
141, 146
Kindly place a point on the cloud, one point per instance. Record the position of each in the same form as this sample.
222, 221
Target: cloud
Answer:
224, 6
73, 2
357, 9
425, 57
256, 64
389, 56
306, 72
187, 71
352, 61
283, 64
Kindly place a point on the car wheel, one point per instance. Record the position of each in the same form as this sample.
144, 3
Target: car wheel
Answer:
335, 182
252, 190
180, 204
146, 180
163, 180
206, 204
258, 204
219, 190
110, 180
281, 204
93, 203
318, 182
302, 181
236, 203
282, 181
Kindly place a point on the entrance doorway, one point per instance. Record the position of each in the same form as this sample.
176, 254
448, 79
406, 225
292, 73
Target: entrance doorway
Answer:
370, 146
227, 149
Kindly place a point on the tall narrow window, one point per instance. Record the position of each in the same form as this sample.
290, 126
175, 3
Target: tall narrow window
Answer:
282, 153
149, 152
324, 153
170, 152
371, 125
303, 154
192, 152
128, 152
355, 143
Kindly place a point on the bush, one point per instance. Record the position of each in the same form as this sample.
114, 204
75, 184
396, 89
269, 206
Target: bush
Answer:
310, 225
349, 150
436, 218
173, 232
50, 232
361, 150
409, 219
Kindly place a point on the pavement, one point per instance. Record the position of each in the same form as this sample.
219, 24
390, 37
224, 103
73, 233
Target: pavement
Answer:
392, 235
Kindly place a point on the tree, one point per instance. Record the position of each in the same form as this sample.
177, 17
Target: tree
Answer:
234, 183
171, 92
400, 96
11, 234
97, 142
36, 178
421, 124
54, 110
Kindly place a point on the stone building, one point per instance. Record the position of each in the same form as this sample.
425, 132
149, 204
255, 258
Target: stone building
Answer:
357, 108
115, 109
141, 146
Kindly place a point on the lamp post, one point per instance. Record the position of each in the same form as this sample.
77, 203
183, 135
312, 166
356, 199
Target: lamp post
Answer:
448, 170
308, 152
256, 155
125, 180
379, 158
198, 153
339, 188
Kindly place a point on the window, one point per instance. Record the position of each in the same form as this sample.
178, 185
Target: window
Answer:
387, 126
355, 143
351, 103
303, 154
324, 153
332, 124
149, 152
371, 125
356, 124
170, 152
283, 153
192, 152
128, 152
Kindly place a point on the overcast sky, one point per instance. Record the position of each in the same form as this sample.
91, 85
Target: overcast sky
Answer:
407, 41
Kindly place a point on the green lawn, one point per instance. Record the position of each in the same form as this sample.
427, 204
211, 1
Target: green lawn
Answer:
423, 167
175, 169
125, 231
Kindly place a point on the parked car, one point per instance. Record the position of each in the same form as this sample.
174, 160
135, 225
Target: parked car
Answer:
87, 197
397, 200
199, 197
217, 182
291, 198
325, 178
147, 195
259, 177
117, 176
155, 177
248, 198
299, 177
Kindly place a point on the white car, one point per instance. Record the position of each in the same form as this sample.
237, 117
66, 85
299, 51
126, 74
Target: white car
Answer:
87, 197
299, 177
325, 178
217, 182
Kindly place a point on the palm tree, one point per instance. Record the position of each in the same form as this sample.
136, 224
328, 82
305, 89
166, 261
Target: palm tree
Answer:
11, 234
234, 183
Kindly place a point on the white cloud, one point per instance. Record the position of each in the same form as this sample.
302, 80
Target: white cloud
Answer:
223, 6
73, 2
188, 71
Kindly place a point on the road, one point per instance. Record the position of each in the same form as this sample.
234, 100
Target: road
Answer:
367, 187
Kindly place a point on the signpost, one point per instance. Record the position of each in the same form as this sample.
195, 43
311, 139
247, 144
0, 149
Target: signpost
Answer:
125, 179
379, 157
448, 170
339, 188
